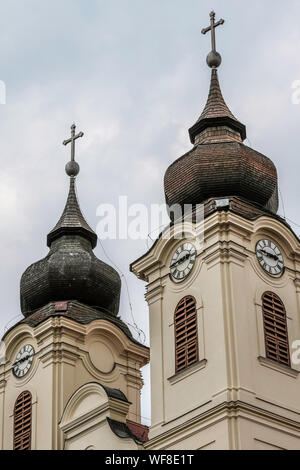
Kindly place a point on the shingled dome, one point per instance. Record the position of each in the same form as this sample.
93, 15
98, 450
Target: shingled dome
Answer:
220, 165
71, 271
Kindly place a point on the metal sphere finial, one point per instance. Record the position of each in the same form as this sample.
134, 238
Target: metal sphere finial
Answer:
72, 168
213, 59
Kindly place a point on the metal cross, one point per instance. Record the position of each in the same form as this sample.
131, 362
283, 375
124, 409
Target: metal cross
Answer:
72, 140
212, 28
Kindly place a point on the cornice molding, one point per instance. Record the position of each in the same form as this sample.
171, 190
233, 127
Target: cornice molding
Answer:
225, 410
61, 352
135, 381
223, 225
63, 339
225, 252
154, 294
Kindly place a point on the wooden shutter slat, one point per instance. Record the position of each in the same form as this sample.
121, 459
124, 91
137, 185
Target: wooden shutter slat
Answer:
189, 326
275, 328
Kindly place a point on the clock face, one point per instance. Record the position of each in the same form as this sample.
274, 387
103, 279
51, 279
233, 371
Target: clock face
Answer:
23, 361
269, 257
183, 261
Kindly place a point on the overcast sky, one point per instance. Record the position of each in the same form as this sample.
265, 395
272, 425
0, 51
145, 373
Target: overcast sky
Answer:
132, 75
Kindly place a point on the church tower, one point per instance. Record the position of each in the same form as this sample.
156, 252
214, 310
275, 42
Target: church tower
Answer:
223, 289
71, 378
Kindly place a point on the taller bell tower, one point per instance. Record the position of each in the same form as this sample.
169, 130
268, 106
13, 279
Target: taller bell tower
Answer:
224, 296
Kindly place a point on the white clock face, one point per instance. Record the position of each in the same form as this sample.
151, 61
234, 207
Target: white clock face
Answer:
269, 257
23, 361
183, 261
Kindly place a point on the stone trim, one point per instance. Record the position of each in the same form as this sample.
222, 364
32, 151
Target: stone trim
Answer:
187, 372
264, 361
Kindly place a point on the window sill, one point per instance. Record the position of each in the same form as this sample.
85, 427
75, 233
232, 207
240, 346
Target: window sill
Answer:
187, 372
287, 370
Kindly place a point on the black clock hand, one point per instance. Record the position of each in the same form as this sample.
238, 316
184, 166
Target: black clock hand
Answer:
181, 260
270, 255
20, 361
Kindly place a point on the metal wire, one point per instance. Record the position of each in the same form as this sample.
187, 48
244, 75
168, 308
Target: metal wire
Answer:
139, 331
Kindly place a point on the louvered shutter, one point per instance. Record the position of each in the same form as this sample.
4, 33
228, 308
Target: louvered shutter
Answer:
275, 327
22, 422
186, 335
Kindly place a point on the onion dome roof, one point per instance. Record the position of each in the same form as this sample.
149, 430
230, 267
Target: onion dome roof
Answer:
220, 165
71, 271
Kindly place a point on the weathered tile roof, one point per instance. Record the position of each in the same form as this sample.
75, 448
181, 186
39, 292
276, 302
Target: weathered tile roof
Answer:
125, 431
220, 170
76, 311
139, 430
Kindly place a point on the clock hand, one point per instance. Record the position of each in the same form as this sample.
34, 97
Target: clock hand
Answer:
20, 361
181, 260
270, 255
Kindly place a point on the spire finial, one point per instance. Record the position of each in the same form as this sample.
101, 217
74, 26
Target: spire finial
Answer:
72, 167
213, 59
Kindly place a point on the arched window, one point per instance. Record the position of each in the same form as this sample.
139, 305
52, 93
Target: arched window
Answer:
186, 335
22, 422
275, 327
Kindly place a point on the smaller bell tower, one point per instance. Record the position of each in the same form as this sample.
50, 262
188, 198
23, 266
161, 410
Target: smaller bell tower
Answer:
223, 296
72, 378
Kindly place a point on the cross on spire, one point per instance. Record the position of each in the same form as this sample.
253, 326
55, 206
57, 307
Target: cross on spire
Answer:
72, 167
72, 140
213, 59
212, 28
